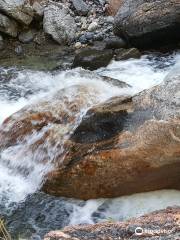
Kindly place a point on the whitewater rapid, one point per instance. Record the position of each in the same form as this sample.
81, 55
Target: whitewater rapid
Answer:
19, 88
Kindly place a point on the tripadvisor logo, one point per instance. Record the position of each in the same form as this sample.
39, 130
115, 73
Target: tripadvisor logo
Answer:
4, 235
140, 231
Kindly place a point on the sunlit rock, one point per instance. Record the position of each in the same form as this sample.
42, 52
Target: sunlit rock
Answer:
162, 224
123, 146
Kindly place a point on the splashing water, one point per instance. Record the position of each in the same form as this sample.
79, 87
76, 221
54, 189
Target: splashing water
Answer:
20, 172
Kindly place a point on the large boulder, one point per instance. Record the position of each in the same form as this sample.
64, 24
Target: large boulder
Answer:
53, 118
123, 146
148, 23
20, 10
59, 23
8, 26
163, 224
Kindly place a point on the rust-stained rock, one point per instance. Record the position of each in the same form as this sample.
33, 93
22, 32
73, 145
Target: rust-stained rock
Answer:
53, 117
163, 224
123, 146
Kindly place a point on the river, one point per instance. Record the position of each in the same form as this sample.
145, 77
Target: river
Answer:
30, 213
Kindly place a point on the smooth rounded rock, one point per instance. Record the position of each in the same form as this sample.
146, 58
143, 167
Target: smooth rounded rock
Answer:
92, 59
26, 36
147, 24
124, 146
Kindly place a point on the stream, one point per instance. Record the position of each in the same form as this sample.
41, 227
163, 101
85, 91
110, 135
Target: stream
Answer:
30, 213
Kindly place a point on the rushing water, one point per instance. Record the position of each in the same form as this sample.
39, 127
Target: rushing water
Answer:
31, 213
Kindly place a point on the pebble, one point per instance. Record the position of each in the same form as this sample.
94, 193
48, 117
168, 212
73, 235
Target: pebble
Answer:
93, 26
26, 36
84, 26
89, 36
78, 45
83, 39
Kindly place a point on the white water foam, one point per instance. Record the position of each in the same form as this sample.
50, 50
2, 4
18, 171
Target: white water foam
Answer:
123, 208
23, 170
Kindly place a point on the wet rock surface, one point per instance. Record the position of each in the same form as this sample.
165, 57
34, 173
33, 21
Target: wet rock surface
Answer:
30, 224
124, 146
162, 224
93, 59
40, 54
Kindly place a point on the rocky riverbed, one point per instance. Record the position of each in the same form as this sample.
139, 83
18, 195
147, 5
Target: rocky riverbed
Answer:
89, 134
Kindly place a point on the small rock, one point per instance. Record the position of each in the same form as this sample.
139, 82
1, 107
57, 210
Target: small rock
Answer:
98, 37
83, 39
26, 36
19, 50
78, 45
93, 26
40, 38
84, 26
115, 42
1, 43
89, 36
81, 7
124, 54
93, 59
